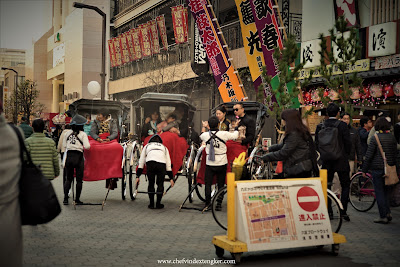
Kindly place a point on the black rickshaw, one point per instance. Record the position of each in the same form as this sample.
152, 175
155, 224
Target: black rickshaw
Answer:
165, 104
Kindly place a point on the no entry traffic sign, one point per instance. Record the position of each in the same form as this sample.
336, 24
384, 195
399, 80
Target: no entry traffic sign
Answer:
308, 199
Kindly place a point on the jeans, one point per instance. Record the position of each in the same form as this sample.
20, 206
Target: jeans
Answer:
344, 183
381, 192
156, 172
74, 163
220, 172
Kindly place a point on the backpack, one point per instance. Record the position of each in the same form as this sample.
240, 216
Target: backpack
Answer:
328, 142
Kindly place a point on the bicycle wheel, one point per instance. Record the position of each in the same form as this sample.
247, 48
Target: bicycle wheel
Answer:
134, 162
219, 208
260, 170
362, 194
335, 213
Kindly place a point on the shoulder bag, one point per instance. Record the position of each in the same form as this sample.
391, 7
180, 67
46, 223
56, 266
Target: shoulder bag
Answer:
391, 177
37, 198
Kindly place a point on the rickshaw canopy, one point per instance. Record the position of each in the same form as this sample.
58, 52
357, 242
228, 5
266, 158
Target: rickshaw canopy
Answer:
164, 98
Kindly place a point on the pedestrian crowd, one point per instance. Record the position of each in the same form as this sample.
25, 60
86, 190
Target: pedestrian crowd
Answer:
337, 147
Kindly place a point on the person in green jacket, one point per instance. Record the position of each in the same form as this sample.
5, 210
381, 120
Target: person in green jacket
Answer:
43, 151
26, 128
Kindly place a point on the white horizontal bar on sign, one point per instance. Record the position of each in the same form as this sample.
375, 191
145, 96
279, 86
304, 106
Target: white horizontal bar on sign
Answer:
308, 199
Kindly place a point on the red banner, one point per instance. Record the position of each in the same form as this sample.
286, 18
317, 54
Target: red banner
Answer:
154, 36
145, 43
131, 49
113, 60
178, 19
137, 44
124, 47
118, 52
163, 31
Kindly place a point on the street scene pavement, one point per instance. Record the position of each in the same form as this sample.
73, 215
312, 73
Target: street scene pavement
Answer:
127, 233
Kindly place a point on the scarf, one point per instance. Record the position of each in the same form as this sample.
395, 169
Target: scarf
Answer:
211, 155
104, 127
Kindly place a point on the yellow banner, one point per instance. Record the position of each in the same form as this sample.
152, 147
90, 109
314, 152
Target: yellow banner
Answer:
251, 39
359, 66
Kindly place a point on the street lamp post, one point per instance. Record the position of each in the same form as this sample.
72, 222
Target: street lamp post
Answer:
15, 92
103, 44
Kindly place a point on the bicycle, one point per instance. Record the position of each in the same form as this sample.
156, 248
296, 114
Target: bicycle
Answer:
362, 192
219, 208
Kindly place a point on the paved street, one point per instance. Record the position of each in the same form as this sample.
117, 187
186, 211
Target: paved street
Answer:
127, 233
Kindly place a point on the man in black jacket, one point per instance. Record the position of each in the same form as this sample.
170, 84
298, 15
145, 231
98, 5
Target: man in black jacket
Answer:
245, 120
341, 165
363, 131
355, 152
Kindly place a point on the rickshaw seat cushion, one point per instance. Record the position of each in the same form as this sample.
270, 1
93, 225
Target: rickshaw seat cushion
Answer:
103, 160
177, 147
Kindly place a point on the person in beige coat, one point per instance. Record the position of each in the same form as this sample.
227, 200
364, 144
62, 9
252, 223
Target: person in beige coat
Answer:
10, 218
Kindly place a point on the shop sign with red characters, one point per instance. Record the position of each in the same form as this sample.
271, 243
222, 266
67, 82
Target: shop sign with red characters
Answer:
275, 214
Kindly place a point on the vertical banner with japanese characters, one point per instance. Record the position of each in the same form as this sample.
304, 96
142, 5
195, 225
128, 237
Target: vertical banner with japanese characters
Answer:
163, 30
118, 52
145, 43
216, 49
124, 48
113, 60
266, 22
137, 44
154, 36
178, 18
252, 46
131, 48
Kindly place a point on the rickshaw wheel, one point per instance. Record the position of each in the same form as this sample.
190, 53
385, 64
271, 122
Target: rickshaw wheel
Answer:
125, 172
132, 184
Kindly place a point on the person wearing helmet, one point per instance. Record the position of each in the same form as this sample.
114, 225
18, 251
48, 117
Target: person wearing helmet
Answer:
158, 163
74, 142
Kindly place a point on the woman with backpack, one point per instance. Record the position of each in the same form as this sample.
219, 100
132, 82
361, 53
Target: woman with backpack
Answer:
374, 164
74, 142
297, 150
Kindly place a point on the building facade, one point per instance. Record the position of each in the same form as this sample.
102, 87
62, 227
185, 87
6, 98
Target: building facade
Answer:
170, 71
377, 24
68, 56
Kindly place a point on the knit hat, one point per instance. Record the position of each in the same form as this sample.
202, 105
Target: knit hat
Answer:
155, 138
78, 120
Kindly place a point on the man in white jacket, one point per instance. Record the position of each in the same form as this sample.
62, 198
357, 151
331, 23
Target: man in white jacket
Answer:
217, 161
158, 163
74, 142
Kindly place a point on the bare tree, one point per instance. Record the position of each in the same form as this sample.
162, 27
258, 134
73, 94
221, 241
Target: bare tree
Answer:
27, 94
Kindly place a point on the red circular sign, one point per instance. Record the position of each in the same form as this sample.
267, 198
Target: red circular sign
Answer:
308, 199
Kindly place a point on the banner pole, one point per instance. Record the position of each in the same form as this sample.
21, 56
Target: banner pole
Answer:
280, 19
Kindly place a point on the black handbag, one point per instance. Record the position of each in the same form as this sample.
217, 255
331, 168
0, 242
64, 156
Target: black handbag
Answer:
37, 198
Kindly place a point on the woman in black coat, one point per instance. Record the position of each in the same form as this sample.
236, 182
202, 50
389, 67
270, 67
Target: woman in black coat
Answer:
297, 151
375, 166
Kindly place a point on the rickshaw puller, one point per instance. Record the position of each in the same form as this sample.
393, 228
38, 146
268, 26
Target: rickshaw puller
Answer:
217, 161
75, 141
158, 163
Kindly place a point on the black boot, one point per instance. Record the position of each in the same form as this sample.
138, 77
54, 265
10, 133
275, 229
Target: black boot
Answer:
151, 205
159, 205
78, 194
